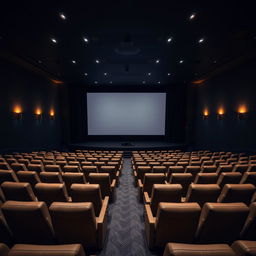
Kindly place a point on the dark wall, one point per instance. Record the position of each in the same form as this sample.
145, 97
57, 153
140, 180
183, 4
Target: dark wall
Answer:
19, 86
231, 89
175, 112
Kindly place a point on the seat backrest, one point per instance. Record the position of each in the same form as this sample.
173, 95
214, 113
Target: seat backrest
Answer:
5, 232
248, 232
51, 177
87, 193
203, 193
71, 168
182, 178
221, 222
111, 170
4, 166
150, 179
194, 170
209, 169
18, 167
87, 169
18, 191
224, 168
28, 176
249, 178
141, 170
52, 168
206, 178
74, 223
176, 222
36, 167
51, 192
103, 180
229, 178
165, 193
242, 168
8, 175
70, 178
159, 169
29, 222
232, 193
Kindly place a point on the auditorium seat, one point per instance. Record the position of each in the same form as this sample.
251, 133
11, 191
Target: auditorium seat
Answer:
51, 177
249, 178
35, 167
47, 250
224, 168
87, 169
61, 163
244, 248
221, 222
4, 250
252, 168
174, 222
89, 193
4, 166
70, 178
111, 170
18, 191
51, 192
29, 222
28, 176
149, 180
206, 178
52, 168
232, 193
159, 169
209, 169
203, 193
163, 193
242, 168
18, 167
248, 232
229, 178
8, 175
71, 168
2, 198
140, 172
179, 249
194, 170
182, 178
107, 188
77, 223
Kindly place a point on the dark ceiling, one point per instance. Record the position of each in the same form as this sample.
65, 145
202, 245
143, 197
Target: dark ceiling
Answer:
127, 37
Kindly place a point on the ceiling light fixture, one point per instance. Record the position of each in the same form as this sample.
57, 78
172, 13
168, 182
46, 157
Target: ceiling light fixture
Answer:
181, 61
143, 82
86, 74
168, 74
110, 82
158, 82
149, 74
157, 61
192, 16
105, 74
86, 39
54, 40
73, 61
201, 40
169, 39
97, 61
96, 82
62, 16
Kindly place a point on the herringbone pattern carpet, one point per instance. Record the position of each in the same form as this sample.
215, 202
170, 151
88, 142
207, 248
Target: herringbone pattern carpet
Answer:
126, 235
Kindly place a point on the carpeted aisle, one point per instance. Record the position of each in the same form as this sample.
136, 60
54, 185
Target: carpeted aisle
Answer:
126, 235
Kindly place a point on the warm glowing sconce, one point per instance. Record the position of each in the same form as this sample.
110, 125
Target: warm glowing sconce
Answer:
38, 113
17, 111
242, 111
205, 114
220, 113
52, 114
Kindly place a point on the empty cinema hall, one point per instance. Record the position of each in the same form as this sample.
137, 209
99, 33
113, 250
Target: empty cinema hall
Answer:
127, 128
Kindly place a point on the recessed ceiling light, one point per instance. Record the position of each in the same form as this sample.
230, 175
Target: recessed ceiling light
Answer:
39, 61
157, 61
54, 40
73, 61
149, 74
201, 40
86, 74
105, 74
181, 61
86, 39
159, 82
169, 39
97, 61
192, 16
62, 15
168, 74
96, 82
110, 82
143, 82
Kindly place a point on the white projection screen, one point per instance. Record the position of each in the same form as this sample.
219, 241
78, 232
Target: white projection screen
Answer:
126, 113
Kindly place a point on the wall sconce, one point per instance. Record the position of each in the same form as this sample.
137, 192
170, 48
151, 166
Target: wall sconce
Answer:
17, 112
220, 114
38, 114
242, 112
205, 114
52, 114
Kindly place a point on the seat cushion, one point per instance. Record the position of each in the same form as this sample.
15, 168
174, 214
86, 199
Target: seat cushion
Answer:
244, 248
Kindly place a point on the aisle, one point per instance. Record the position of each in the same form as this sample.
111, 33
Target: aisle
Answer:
126, 235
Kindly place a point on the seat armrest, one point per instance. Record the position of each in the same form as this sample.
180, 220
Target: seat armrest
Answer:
140, 184
102, 223
113, 184
135, 174
149, 226
117, 174
147, 199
